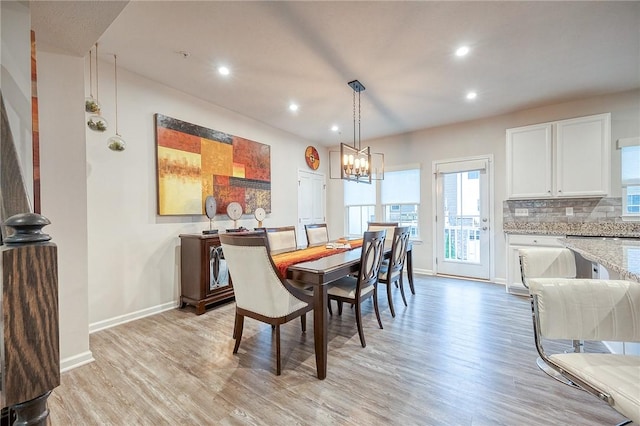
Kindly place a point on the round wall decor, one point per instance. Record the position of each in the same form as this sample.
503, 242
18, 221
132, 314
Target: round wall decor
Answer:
312, 157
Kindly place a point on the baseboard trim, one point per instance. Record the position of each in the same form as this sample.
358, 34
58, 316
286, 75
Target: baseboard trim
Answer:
123, 319
76, 361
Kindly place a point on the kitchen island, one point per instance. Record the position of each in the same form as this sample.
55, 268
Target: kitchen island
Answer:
620, 255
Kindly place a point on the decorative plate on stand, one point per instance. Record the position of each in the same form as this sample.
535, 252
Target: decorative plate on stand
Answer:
210, 207
260, 214
234, 211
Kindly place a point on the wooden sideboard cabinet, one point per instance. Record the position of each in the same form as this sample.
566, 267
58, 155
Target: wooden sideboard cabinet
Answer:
204, 276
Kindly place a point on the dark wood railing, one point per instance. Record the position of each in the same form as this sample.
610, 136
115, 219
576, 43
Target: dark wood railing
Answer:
30, 362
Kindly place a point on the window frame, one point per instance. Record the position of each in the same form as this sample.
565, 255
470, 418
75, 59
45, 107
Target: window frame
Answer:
626, 215
386, 208
380, 210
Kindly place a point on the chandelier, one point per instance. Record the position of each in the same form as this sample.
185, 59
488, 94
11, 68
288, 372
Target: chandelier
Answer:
357, 163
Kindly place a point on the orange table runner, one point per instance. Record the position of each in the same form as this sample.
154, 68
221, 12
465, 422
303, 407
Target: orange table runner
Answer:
284, 260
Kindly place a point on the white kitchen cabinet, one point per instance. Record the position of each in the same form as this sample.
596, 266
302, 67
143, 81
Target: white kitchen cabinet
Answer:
529, 155
516, 242
567, 158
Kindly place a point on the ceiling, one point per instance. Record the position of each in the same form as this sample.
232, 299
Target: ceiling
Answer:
523, 55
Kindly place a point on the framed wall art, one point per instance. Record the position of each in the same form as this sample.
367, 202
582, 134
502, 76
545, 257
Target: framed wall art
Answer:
194, 162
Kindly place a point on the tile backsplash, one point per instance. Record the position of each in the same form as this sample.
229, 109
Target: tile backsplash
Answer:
555, 210
570, 216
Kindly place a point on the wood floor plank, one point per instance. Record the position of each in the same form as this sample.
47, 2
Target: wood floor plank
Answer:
461, 353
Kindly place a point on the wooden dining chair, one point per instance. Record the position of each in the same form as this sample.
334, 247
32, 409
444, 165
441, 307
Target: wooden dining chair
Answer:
260, 292
317, 234
387, 226
282, 239
391, 269
355, 290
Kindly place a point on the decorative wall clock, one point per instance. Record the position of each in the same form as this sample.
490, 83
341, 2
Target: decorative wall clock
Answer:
312, 157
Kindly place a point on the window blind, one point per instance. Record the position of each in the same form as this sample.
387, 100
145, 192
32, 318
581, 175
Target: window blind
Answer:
401, 187
359, 194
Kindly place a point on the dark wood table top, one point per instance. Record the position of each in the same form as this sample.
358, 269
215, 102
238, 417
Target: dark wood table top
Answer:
324, 270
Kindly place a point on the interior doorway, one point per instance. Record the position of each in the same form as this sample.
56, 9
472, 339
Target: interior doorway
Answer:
462, 219
312, 190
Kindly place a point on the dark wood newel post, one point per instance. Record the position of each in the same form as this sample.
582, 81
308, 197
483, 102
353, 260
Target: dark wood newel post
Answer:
30, 364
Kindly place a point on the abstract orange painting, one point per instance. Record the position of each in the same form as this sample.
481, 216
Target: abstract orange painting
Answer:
194, 162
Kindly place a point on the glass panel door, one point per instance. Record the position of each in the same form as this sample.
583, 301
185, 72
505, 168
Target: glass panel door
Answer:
462, 224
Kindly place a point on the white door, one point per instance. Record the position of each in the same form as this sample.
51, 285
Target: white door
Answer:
311, 201
462, 220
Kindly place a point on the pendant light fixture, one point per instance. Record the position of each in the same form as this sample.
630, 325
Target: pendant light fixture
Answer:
116, 143
91, 105
96, 122
356, 163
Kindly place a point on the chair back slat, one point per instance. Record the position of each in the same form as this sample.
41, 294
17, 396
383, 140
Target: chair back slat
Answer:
399, 247
387, 226
370, 259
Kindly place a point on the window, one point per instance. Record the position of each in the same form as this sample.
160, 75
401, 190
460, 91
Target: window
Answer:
360, 204
400, 198
474, 174
630, 160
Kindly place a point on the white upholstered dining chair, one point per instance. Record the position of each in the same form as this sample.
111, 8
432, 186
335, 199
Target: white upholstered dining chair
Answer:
260, 292
317, 234
282, 239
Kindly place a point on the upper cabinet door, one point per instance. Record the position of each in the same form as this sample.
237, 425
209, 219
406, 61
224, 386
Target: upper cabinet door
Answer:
583, 156
568, 158
529, 161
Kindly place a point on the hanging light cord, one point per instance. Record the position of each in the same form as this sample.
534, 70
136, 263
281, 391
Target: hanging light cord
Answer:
354, 120
115, 72
97, 79
359, 120
90, 72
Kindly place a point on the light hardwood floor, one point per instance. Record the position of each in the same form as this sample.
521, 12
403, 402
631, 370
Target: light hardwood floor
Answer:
461, 353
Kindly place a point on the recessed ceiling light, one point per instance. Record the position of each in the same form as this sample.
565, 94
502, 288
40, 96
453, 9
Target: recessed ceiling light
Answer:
224, 70
472, 95
334, 128
293, 107
462, 50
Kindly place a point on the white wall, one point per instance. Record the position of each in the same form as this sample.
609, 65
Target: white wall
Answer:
133, 253
15, 80
482, 137
64, 194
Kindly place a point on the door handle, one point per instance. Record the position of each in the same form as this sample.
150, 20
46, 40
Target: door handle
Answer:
484, 228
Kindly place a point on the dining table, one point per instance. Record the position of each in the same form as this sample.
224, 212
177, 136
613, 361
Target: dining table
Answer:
326, 266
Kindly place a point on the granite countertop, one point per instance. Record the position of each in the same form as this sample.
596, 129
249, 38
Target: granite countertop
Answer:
591, 229
621, 255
